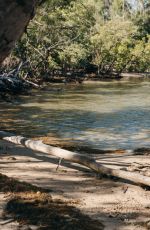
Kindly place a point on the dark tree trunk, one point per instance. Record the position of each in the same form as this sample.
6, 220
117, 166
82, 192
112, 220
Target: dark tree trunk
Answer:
14, 17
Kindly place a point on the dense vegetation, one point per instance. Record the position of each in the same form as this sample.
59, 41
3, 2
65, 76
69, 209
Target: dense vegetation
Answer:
74, 37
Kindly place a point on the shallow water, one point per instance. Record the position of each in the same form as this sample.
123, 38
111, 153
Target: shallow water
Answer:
105, 115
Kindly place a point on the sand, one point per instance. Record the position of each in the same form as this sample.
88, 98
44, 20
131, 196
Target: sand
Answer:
118, 205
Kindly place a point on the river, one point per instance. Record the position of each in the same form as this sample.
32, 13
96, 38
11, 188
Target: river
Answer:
105, 115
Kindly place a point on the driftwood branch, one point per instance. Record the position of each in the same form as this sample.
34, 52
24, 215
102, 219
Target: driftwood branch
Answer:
75, 157
32, 83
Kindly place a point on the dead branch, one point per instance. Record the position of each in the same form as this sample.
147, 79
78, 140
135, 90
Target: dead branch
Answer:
75, 158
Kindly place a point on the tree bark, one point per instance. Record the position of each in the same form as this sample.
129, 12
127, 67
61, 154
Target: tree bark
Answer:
76, 158
14, 17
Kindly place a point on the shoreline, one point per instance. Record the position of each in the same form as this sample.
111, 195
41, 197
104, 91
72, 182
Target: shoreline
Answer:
12, 86
96, 78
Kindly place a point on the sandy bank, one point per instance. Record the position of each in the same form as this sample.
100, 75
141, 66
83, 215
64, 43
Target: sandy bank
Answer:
116, 204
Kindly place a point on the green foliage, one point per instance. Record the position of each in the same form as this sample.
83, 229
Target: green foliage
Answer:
73, 55
112, 45
143, 23
141, 56
67, 35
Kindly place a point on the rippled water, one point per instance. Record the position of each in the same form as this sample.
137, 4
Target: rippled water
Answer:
106, 115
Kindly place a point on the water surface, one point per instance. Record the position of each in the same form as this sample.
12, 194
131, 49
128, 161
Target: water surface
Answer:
105, 115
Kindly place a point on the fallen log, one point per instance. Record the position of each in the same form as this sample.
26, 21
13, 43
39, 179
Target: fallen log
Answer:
75, 158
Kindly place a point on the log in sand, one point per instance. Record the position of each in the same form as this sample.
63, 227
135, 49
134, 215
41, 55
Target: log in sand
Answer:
81, 159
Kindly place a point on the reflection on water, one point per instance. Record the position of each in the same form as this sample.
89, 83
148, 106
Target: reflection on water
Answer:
106, 114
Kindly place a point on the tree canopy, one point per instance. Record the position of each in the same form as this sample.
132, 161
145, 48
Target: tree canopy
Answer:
110, 36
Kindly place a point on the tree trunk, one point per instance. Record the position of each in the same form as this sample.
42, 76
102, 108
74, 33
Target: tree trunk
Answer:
76, 158
14, 17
